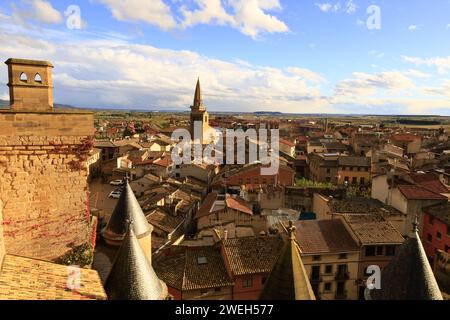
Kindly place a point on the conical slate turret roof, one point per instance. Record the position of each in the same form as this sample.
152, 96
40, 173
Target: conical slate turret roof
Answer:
127, 209
408, 276
288, 279
132, 276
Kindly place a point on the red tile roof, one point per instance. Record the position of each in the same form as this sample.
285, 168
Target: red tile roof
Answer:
164, 162
325, 236
414, 192
407, 137
287, 142
239, 204
205, 208
430, 182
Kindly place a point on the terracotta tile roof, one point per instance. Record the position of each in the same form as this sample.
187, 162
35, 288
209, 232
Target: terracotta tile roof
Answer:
361, 205
353, 161
370, 229
253, 254
287, 142
239, 204
163, 162
406, 137
324, 236
205, 208
164, 221
414, 192
193, 268
30, 279
429, 181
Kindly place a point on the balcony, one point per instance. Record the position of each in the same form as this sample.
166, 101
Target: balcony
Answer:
342, 276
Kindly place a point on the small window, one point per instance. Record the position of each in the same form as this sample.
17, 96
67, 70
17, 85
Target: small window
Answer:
429, 237
328, 269
316, 258
23, 77
446, 248
439, 235
379, 251
343, 256
247, 282
327, 286
370, 251
37, 78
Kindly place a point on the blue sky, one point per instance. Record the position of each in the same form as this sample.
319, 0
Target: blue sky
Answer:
251, 55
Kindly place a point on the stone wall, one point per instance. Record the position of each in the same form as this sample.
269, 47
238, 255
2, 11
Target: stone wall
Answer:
43, 182
2, 244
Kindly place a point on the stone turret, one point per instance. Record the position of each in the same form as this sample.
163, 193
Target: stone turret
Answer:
288, 279
408, 276
132, 276
128, 208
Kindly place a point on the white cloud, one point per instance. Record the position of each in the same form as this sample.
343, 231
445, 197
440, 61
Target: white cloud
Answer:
325, 7
210, 11
153, 12
251, 17
307, 74
117, 73
36, 10
349, 7
441, 63
413, 27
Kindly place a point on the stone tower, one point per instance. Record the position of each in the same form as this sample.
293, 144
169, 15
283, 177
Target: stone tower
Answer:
43, 181
199, 114
30, 85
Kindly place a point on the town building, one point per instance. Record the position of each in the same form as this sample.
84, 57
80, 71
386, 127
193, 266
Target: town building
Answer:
331, 258
436, 230
378, 241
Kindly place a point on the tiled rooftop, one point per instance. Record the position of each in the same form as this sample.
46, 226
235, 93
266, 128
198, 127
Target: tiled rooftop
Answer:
30, 279
253, 254
370, 229
193, 268
415, 192
324, 236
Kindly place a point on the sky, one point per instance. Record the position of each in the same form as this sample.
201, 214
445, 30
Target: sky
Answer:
323, 56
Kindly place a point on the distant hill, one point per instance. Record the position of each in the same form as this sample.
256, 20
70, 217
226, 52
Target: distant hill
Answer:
5, 103
262, 113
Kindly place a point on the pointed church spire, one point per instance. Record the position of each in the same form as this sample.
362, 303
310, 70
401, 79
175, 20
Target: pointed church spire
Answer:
288, 279
198, 101
408, 276
132, 276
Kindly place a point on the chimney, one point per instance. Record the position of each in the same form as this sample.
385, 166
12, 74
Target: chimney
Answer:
225, 234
